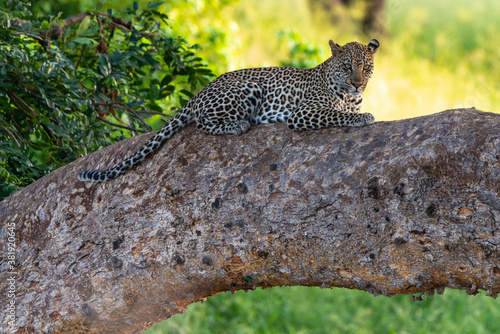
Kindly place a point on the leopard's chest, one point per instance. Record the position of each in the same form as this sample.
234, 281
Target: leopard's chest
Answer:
347, 102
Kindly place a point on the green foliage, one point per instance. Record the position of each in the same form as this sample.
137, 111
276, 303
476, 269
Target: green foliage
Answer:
302, 53
450, 34
95, 84
315, 310
209, 23
454, 42
204, 21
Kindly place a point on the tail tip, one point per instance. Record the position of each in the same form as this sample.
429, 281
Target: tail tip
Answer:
82, 176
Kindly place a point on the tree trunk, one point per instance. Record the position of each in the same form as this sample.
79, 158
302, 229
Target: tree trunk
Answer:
373, 21
393, 208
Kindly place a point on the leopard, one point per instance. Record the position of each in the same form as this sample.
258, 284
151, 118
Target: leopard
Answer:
328, 95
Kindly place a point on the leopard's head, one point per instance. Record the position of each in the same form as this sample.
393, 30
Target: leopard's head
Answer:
351, 66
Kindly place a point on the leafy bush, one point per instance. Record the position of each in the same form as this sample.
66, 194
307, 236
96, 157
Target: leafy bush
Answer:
69, 87
302, 53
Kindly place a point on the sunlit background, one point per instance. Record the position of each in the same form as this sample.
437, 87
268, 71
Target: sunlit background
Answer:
434, 55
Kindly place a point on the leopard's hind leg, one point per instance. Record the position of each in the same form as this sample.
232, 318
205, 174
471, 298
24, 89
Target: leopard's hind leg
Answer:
230, 113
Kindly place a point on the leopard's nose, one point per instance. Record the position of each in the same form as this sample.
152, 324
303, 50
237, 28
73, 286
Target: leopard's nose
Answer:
357, 84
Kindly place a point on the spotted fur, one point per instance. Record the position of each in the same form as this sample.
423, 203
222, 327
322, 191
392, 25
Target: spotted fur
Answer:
306, 99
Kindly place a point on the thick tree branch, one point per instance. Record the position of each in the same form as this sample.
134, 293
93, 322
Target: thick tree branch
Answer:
393, 208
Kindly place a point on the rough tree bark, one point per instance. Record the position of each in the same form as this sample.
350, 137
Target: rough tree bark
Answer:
394, 208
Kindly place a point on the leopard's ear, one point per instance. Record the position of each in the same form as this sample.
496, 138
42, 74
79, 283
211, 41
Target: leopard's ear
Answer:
336, 49
373, 45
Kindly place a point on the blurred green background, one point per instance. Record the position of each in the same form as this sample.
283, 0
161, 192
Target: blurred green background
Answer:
435, 55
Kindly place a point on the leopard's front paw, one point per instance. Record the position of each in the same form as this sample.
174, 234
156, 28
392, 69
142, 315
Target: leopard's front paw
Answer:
368, 118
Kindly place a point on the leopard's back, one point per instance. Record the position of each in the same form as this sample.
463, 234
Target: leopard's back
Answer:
306, 99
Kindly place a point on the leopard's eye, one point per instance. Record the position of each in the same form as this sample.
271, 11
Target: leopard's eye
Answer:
347, 66
367, 67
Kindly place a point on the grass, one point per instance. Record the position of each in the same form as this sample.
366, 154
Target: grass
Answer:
438, 55
313, 310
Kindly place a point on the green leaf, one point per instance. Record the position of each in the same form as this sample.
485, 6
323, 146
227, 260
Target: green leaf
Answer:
85, 40
166, 80
204, 71
155, 107
104, 65
152, 4
83, 26
58, 130
186, 92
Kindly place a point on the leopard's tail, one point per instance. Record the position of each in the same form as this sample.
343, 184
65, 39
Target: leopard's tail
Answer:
179, 121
